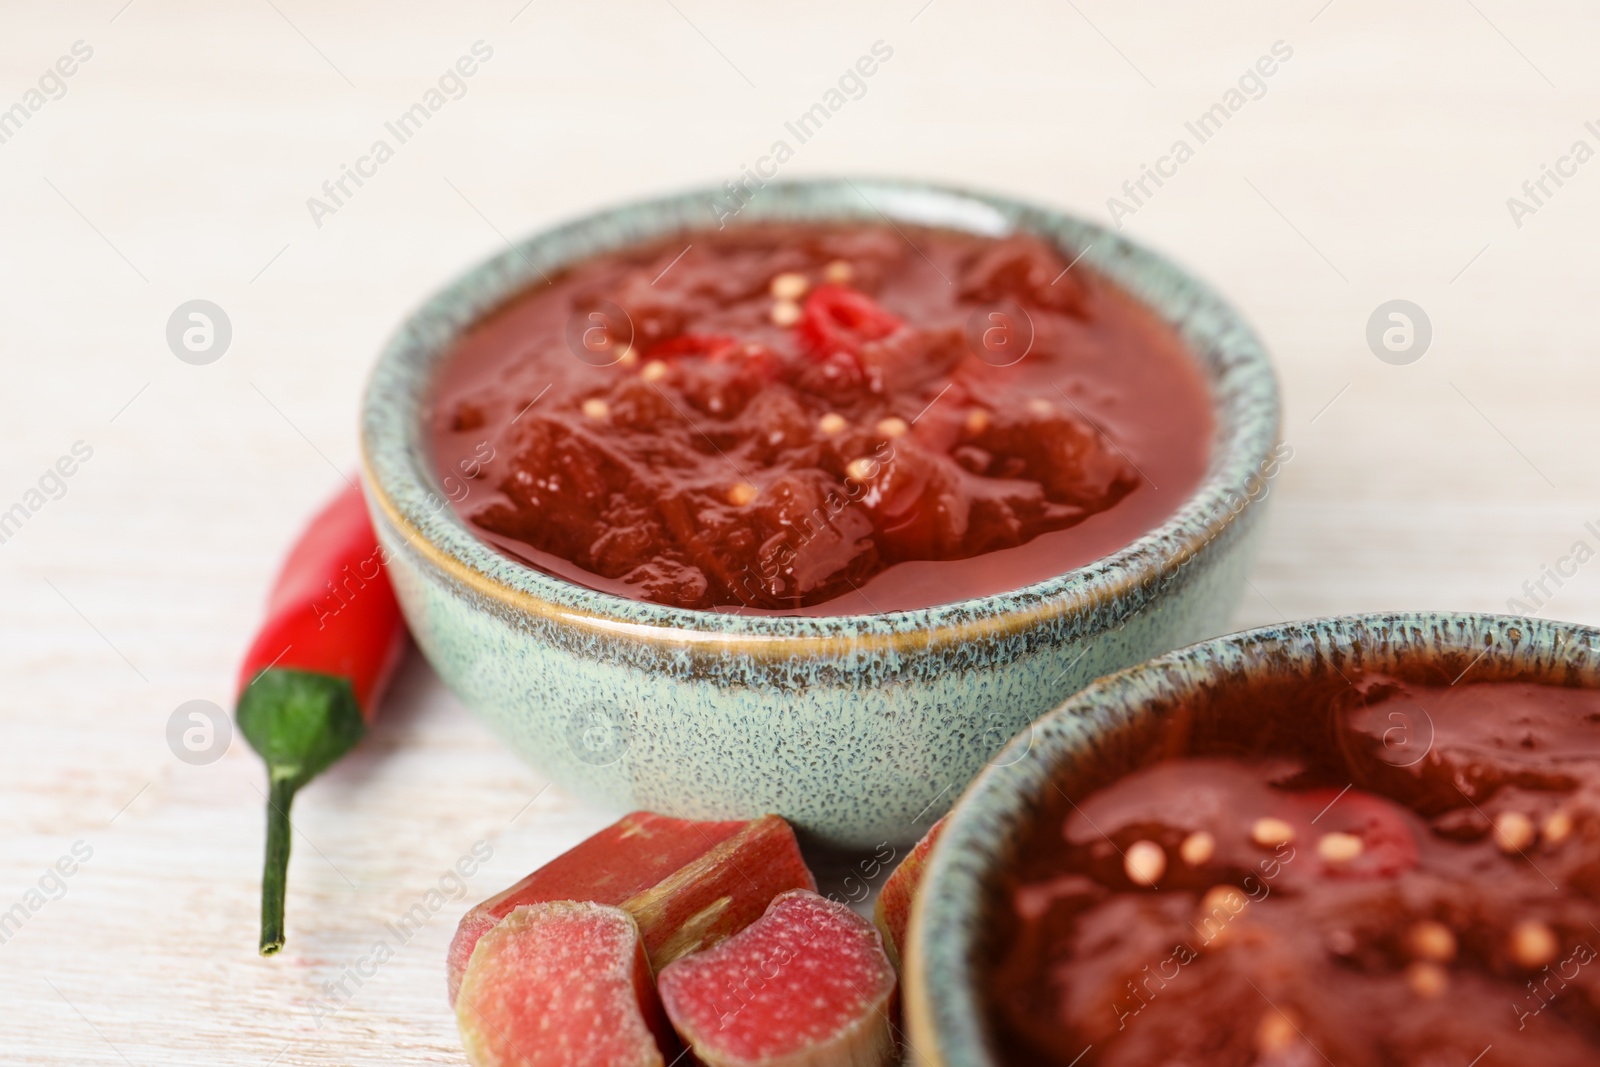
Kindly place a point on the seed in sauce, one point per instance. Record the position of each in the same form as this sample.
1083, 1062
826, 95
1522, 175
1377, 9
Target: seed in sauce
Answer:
1513, 831
1145, 863
1533, 944
1339, 847
1432, 941
1427, 980
1197, 848
1270, 832
789, 286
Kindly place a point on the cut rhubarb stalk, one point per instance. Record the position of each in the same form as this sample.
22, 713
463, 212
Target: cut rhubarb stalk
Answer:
805, 985
893, 910
562, 984
688, 884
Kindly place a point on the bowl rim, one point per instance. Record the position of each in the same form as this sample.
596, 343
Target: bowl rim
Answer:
946, 1020
402, 484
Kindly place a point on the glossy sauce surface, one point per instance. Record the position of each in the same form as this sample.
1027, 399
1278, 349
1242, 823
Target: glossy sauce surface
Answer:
1407, 876
819, 420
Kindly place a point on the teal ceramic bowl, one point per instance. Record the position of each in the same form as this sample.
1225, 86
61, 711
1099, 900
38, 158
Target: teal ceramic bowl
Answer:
1114, 727
861, 729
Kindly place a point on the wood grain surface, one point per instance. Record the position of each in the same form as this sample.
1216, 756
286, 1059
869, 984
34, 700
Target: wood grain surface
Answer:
1374, 164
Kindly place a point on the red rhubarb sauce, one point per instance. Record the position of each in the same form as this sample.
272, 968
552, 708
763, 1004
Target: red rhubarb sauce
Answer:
1368, 870
819, 419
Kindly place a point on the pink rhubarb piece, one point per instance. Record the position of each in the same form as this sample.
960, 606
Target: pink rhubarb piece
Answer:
687, 883
805, 985
562, 984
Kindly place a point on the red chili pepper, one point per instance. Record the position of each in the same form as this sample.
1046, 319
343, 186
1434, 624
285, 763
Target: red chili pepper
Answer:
714, 345
838, 319
313, 677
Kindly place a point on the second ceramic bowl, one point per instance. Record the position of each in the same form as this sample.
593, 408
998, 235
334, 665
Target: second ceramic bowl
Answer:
860, 729
1120, 723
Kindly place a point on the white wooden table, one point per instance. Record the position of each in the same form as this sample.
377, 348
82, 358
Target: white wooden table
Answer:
177, 164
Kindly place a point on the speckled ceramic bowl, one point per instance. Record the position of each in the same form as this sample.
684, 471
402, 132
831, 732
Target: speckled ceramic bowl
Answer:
861, 729
1111, 728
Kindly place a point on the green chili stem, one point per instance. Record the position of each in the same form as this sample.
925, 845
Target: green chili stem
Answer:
275, 874
300, 722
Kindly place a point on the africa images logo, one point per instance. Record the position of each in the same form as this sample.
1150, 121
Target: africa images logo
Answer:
1251, 85
51, 85
451, 85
